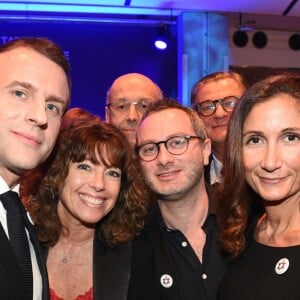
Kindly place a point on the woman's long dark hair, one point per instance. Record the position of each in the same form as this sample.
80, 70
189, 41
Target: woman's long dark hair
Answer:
238, 202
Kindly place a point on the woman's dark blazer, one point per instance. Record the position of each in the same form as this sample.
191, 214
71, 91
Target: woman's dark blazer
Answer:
111, 269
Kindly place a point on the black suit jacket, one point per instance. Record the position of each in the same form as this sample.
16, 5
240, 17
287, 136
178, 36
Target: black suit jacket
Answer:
207, 170
214, 190
11, 280
111, 269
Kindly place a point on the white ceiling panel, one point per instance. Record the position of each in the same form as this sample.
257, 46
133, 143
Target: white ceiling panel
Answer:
273, 7
161, 7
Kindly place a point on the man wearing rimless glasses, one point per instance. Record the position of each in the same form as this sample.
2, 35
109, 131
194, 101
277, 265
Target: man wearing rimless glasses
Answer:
127, 100
178, 248
214, 97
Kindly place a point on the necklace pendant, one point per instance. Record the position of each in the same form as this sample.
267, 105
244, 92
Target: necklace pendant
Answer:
65, 260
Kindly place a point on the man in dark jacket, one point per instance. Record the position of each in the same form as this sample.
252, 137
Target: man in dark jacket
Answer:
214, 98
178, 256
34, 95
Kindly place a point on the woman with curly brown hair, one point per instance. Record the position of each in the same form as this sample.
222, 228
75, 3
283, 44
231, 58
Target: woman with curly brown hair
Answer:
259, 210
87, 202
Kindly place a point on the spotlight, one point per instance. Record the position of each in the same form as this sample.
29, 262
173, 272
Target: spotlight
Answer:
259, 39
161, 41
240, 38
294, 42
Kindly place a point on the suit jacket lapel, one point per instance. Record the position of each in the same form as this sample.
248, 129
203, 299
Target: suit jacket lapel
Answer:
10, 268
212, 190
39, 256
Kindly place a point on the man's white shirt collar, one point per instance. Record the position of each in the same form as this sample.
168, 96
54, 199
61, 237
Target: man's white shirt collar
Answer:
215, 170
5, 188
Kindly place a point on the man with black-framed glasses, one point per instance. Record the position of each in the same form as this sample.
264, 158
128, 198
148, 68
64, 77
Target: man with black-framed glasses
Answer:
214, 97
127, 100
178, 249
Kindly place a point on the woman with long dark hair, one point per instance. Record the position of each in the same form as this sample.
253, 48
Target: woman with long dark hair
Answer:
259, 210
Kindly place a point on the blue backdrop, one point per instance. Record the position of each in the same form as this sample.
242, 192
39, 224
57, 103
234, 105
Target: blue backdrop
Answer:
100, 52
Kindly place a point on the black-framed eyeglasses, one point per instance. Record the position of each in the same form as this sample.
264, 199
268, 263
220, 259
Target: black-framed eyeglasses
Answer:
175, 145
123, 106
208, 107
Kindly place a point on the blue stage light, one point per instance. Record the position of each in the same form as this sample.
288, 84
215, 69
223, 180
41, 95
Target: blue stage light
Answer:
161, 41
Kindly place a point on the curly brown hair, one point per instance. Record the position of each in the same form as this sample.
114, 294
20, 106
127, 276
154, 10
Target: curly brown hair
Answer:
101, 143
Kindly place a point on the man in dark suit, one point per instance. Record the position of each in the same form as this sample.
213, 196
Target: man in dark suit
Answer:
34, 95
214, 98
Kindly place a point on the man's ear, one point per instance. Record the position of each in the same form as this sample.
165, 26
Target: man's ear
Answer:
206, 151
107, 115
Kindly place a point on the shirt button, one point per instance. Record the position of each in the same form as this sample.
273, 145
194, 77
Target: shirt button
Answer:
184, 244
204, 276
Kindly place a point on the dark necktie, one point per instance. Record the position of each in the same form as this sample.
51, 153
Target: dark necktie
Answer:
17, 236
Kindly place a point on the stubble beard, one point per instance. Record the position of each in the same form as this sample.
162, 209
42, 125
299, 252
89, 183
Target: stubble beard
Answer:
177, 191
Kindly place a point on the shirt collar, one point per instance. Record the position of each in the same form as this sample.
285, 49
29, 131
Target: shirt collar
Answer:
5, 188
215, 170
163, 227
